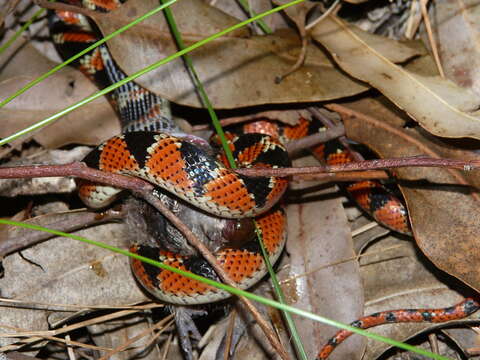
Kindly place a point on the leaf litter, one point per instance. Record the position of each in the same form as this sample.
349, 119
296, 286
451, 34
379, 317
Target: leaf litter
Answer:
348, 62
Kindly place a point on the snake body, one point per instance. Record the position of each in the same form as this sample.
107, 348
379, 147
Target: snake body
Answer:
190, 173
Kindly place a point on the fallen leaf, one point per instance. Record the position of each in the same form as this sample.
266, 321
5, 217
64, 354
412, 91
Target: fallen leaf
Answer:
459, 58
440, 106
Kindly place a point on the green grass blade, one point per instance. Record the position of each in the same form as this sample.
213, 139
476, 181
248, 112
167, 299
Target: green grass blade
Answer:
263, 26
292, 328
231, 290
199, 86
83, 52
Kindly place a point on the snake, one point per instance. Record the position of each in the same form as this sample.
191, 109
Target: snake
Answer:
150, 149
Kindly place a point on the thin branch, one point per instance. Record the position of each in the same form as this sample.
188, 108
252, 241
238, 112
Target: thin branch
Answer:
301, 57
344, 177
330, 124
144, 188
415, 161
431, 38
393, 130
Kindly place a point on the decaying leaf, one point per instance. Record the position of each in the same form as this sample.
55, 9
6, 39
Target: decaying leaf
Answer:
443, 205
439, 105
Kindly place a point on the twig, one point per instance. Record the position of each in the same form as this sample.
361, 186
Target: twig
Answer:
431, 38
330, 124
35, 336
162, 324
301, 57
344, 177
415, 161
144, 188
334, 7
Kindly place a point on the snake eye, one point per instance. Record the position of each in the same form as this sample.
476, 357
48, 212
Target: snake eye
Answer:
238, 232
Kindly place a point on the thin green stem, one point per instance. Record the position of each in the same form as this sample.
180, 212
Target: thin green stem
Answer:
83, 52
21, 30
199, 86
246, 7
231, 290
297, 341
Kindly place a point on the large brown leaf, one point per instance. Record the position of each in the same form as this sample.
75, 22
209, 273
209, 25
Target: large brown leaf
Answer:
237, 70
439, 105
443, 204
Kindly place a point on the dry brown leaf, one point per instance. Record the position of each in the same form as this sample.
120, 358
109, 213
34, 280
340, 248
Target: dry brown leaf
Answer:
318, 237
236, 70
459, 54
443, 208
396, 276
438, 105
90, 124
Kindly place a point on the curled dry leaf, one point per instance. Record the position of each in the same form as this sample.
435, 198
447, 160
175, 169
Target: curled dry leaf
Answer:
57, 92
443, 204
460, 56
397, 276
237, 70
439, 105
318, 238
